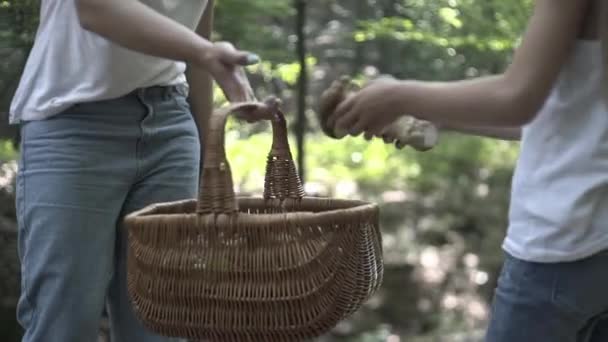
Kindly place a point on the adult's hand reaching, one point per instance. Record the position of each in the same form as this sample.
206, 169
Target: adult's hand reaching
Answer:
226, 65
257, 111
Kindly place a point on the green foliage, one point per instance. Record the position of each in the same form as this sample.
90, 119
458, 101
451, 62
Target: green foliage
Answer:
18, 22
7, 151
258, 25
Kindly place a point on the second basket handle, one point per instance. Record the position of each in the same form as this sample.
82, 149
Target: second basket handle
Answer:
282, 179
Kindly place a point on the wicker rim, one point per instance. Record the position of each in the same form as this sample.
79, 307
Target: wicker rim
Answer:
340, 206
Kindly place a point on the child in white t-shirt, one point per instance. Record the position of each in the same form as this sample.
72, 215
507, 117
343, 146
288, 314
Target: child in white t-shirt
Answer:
554, 280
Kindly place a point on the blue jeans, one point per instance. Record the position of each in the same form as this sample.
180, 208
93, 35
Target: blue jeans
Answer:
80, 173
552, 302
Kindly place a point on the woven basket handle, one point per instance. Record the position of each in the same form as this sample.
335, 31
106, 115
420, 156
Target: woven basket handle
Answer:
216, 194
282, 179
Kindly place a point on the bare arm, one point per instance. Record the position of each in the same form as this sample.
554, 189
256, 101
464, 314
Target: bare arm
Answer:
147, 31
502, 133
513, 98
135, 26
201, 82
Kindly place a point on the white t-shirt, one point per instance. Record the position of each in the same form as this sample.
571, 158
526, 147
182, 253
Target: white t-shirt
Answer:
69, 65
559, 200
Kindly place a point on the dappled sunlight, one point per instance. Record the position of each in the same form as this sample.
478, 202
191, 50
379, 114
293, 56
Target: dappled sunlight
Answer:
8, 172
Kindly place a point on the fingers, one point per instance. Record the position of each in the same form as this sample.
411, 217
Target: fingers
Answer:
258, 111
361, 125
242, 58
349, 123
249, 59
273, 102
247, 90
235, 84
228, 54
389, 134
337, 120
387, 139
234, 92
252, 113
374, 129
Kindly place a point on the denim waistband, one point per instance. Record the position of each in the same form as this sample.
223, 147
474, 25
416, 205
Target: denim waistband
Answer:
162, 91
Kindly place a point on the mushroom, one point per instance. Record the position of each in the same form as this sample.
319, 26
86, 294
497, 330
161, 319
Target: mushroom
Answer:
407, 131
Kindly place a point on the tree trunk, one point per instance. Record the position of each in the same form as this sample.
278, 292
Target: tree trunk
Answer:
300, 127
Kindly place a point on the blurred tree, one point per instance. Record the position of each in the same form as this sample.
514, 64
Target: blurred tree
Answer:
300, 127
18, 22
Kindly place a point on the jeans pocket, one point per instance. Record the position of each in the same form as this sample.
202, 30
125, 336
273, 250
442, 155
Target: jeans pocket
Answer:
20, 193
20, 208
181, 101
528, 280
581, 286
26, 311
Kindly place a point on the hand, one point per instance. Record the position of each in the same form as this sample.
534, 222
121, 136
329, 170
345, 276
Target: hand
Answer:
256, 111
389, 134
369, 110
225, 64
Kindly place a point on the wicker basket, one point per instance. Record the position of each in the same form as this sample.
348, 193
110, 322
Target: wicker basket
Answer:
280, 268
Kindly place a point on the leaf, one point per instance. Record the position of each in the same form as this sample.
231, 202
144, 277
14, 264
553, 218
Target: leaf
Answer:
450, 16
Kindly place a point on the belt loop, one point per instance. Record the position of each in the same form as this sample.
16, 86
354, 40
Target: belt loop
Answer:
141, 93
183, 89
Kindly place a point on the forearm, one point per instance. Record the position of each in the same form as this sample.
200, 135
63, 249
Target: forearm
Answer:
502, 133
201, 82
137, 27
493, 101
201, 96
513, 98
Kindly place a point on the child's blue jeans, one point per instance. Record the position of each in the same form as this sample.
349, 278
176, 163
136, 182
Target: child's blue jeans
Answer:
552, 302
80, 173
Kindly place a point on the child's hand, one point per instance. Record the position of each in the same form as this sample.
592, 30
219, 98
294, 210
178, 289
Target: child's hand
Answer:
369, 110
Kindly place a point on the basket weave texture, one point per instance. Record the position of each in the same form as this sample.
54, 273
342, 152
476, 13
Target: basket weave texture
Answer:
284, 267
